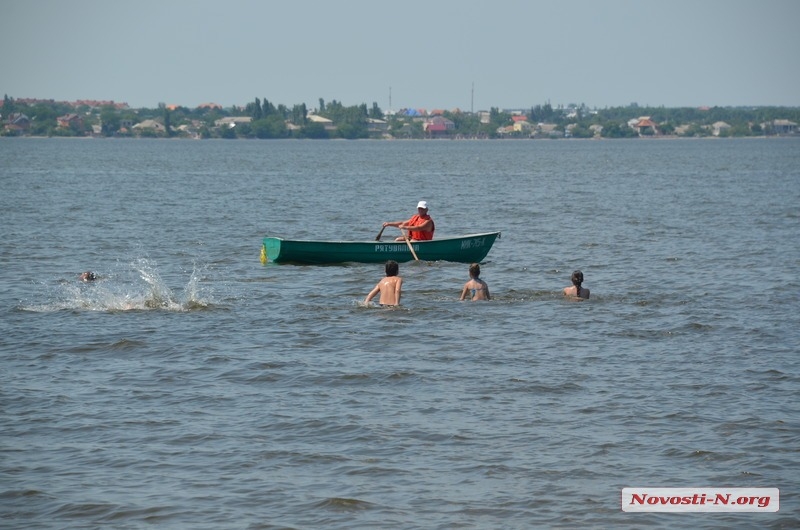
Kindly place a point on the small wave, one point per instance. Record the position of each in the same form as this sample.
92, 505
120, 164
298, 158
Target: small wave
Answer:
121, 345
22, 494
401, 375
84, 509
545, 389
771, 374
344, 504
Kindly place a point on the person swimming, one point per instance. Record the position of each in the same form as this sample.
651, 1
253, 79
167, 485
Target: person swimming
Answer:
88, 276
575, 290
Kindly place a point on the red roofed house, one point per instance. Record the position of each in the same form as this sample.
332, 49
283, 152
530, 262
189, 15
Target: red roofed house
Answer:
17, 122
70, 121
646, 126
438, 126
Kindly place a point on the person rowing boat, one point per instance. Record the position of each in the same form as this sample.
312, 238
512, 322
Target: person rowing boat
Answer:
420, 227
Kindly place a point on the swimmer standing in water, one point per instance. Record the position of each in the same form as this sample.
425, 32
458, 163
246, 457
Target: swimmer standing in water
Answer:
476, 288
575, 290
390, 286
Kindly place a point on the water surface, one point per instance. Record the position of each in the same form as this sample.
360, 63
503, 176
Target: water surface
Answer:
192, 387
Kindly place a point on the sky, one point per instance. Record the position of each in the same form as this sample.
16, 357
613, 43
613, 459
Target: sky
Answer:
432, 54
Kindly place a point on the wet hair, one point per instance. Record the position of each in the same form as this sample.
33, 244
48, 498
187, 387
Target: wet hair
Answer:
475, 270
392, 268
577, 280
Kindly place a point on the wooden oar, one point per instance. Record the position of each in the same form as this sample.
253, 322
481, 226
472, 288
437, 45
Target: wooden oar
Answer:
378, 238
408, 242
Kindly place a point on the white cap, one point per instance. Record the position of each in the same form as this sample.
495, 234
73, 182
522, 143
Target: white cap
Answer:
422, 204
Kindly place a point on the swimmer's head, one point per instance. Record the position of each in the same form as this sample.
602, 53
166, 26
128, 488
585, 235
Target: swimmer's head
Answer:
88, 276
475, 270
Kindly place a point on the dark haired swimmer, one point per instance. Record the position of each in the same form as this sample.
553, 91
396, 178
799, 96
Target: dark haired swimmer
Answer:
88, 276
476, 288
390, 286
576, 291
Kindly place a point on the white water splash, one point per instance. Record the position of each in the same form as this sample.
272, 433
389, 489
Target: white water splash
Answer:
139, 288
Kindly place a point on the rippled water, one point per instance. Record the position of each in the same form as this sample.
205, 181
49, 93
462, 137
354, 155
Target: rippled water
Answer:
192, 387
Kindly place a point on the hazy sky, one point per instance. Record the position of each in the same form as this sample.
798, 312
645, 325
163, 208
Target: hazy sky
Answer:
426, 54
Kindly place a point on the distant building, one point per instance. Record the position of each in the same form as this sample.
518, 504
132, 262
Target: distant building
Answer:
413, 112
438, 126
783, 127
406, 131
547, 130
719, 128
151, 125
325, 122
505, 130
17, 122
522, 126
95, 103
232, 121
682, 130
377, 127
646, 126
70, 121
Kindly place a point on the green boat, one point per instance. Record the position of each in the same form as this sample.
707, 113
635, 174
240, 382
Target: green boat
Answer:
464, 249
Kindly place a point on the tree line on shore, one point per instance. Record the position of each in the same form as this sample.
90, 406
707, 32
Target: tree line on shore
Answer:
265, 120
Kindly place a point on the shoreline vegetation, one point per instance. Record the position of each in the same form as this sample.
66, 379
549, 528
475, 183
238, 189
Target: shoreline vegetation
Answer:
261, 119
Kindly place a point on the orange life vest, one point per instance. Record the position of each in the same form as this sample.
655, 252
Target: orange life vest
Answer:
418, 220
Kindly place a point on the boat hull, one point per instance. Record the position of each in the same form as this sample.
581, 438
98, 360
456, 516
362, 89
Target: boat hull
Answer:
465, 249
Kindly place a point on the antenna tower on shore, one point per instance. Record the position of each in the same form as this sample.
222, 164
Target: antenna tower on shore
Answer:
472, 99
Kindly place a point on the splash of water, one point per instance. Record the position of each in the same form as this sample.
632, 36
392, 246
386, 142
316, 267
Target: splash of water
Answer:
159, 295
139, 288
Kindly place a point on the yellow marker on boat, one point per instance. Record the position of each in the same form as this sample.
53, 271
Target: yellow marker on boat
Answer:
263, 254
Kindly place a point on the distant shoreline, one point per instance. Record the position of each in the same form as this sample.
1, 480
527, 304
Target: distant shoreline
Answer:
538, 140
